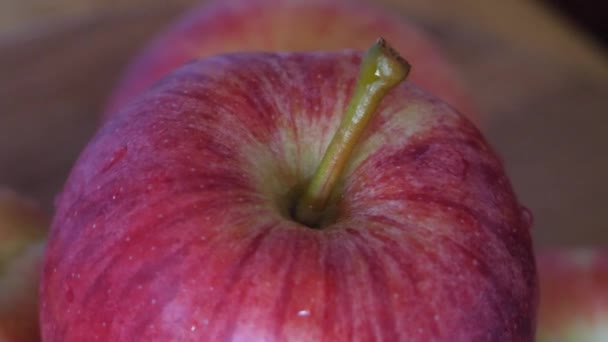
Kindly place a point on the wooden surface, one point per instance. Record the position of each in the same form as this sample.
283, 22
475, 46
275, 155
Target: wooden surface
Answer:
542, 85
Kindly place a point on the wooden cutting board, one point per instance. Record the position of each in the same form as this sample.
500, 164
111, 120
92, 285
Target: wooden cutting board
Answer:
542, 85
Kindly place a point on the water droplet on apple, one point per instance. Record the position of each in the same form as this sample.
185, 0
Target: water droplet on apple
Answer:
303, 313
526, 216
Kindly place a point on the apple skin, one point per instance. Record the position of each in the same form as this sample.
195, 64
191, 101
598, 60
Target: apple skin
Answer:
573, 295
290, 25
22, 231
174, 223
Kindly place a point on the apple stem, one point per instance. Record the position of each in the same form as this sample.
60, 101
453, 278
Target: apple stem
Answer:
382, 68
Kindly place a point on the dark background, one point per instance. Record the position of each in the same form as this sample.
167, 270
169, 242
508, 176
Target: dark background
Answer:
591, 15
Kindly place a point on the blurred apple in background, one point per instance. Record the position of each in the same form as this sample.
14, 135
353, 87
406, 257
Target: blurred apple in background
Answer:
22, 238
181, 220
290, 25
574, 295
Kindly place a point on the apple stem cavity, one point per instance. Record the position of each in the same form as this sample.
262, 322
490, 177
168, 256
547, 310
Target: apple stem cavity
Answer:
382, 68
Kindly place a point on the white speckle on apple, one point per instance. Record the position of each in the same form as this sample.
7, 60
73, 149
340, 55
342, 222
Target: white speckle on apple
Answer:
160, 216
303, 313
113, 197
130, 257
103, 324
192, 328
139, 287
128, 238
121, 189
94, 225
149, 187
153, 301
436, 317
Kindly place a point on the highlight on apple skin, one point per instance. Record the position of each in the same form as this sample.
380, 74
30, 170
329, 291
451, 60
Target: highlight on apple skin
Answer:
22, 239
218, 27
176, 223
573, 296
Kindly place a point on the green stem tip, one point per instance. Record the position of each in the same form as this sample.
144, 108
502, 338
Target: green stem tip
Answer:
382, 68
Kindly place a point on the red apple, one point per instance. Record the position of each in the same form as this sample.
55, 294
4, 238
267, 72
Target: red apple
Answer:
290, 25
574, 295
181, 220
22, 231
